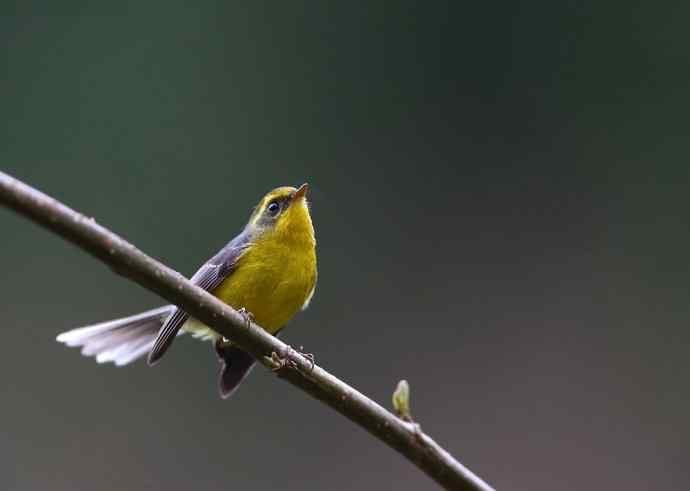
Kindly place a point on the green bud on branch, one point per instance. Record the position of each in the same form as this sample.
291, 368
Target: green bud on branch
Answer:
401, 401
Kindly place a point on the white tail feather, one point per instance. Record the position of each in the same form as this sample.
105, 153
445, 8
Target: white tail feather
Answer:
120, 341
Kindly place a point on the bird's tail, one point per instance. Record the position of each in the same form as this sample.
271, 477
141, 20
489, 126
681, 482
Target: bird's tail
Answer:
235, 366
121, 341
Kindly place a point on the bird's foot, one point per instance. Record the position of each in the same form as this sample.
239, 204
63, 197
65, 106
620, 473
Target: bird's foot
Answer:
280, 362
247, 316
286, 360
308, 356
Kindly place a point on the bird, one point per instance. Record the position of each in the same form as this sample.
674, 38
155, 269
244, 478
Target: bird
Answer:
268, 272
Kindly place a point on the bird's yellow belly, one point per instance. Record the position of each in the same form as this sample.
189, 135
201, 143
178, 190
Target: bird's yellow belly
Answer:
271, 283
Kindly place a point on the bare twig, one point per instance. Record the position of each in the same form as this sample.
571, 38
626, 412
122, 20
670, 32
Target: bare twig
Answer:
130, 262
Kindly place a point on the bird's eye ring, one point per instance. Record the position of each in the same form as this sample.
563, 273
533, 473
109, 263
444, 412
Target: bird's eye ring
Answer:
273, 208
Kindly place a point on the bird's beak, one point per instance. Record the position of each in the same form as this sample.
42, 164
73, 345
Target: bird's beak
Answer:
301, 192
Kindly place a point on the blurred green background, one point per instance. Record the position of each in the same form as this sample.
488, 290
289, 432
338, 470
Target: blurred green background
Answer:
500, 193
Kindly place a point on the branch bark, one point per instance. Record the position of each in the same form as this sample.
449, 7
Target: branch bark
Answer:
128, 261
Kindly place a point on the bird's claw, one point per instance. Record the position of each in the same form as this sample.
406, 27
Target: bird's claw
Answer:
286, 360
280, 362
308, 356
247, 316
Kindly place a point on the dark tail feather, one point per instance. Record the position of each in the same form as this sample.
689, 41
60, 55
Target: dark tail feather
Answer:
170, 328
235, 366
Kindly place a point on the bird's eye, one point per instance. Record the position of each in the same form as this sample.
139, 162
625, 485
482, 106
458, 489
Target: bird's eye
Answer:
273, 208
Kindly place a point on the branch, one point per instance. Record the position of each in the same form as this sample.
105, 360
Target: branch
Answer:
128, 261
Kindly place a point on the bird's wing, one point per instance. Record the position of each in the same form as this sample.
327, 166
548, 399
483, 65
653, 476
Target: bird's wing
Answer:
209, 277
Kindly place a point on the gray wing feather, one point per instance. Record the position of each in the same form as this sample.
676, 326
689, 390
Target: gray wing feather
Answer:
209, 277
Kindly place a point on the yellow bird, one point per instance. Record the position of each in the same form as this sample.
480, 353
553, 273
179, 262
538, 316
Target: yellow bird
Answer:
267, 272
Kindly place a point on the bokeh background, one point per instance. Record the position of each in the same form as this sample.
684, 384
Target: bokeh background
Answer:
501, 199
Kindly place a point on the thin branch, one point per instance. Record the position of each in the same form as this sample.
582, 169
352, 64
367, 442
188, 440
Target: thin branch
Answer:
128, 261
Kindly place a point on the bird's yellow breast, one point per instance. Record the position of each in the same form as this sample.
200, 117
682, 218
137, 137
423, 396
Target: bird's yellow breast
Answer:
272, 281
275, 277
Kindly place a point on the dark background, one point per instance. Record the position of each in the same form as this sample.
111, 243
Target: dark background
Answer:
500, 193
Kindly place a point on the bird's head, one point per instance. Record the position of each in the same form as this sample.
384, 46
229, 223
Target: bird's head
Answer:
284, 212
